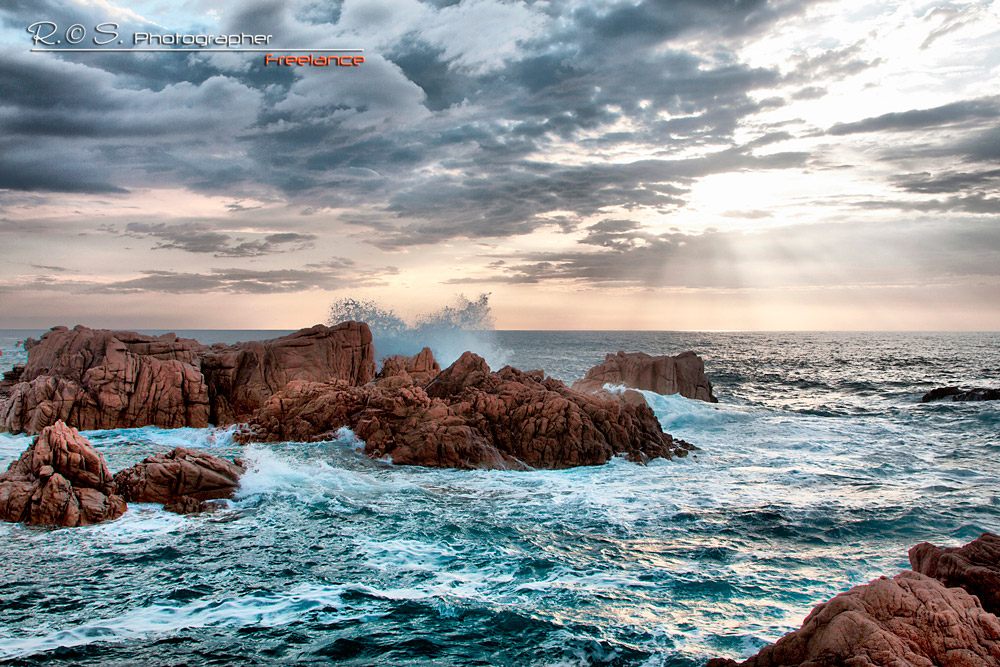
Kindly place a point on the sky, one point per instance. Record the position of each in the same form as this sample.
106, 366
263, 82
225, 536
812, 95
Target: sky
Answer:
692, 164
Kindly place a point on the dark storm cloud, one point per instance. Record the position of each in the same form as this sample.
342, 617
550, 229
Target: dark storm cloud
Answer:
353, 141
950, 181
919, 119
197, 237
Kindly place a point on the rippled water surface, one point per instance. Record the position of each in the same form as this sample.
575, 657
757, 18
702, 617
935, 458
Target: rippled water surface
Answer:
819, 469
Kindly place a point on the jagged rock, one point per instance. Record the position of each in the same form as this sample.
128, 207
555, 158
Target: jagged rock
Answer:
100, 379
60, 480
180, 480
974, 567
468, 417
241, 377
959, 394
683, 374
421, 366
910, 620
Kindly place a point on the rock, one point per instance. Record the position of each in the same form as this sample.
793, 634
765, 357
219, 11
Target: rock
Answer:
242, 377
100, 379
974, 567
180, 480
910, 620
683, 374
60, 480
958, 394
467, 417
421, 366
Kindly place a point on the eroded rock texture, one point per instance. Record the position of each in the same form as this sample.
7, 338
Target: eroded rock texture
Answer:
100, 379
468, 417
974, 567
910, 620
181, 480
683, 374
60, 480
421, 366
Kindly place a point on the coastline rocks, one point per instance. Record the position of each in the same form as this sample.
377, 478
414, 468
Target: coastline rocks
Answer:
959, 394
974, 567
60, 480
421, 366
910, 619
682, 374
181, 480
241, 377
468, 417
100, 379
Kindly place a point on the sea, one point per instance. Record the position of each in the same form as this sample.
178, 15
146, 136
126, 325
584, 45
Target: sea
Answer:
818, 469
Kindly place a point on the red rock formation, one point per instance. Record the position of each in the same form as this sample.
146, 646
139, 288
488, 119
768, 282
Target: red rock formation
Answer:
468, 417
974, 567
910, 620
99, 379
60, 480
421, 366
181, 480
683, 374
241, 377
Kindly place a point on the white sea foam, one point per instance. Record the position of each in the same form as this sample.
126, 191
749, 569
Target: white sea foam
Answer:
267, 610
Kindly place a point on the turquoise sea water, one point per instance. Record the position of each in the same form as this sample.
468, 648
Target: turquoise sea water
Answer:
819, 469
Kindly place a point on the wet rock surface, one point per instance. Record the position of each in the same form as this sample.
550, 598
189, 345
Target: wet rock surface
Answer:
60, 480
682, 374
468, 417
101, 379
181, 480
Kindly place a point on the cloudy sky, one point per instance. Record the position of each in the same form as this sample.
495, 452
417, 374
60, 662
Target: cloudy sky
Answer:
683, 164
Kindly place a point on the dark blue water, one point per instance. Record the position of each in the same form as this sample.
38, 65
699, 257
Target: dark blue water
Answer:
819, 469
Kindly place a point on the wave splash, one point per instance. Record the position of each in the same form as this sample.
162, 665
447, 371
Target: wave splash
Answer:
465, 325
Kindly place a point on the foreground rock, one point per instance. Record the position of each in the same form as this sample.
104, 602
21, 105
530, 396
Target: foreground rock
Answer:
181, 480
60, 480
683, 374
468, 417
100, 379
909, 620
974, 567
959, 394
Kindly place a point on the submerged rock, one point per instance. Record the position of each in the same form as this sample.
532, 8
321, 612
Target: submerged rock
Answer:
974, 567
909, 620
959, 394
468, 417
683, 374
181, 480
60, 480
100, 379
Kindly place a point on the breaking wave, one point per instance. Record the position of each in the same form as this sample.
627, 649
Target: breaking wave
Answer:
464, 325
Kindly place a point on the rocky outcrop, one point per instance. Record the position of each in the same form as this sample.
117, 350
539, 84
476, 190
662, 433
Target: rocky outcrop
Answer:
908, 620
421, 366
242, 377
959, 394
942, 613
60, 480
100, 379
683, 374
468, 417
181, 480
974, 567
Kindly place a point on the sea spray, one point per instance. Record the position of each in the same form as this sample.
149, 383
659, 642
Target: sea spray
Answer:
449, 331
